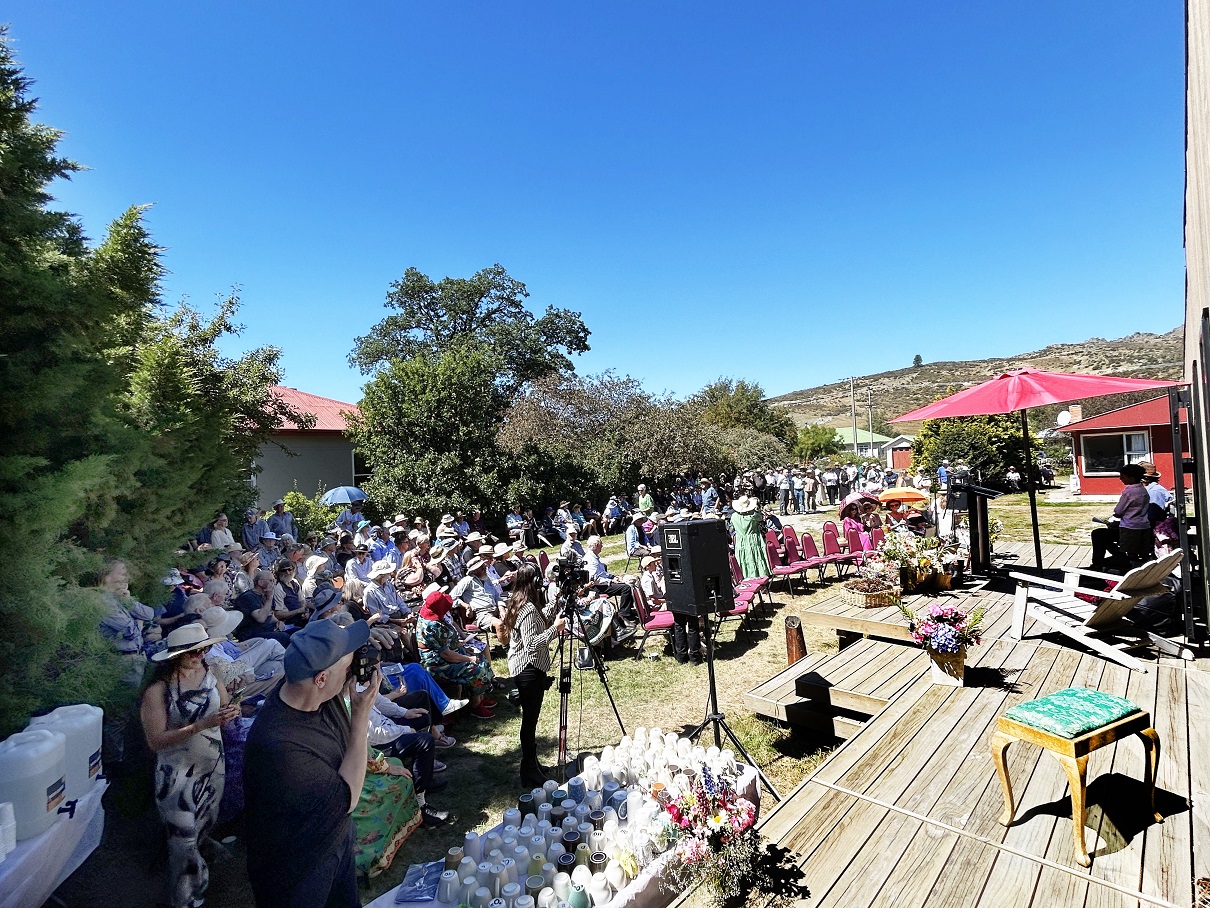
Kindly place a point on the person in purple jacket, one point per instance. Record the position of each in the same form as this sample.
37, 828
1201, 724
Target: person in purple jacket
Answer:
1130, 540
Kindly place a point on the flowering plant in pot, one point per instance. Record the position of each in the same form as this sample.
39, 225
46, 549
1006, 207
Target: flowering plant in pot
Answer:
945, 631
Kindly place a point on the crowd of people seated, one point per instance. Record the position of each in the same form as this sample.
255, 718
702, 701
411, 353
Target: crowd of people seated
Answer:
220, 643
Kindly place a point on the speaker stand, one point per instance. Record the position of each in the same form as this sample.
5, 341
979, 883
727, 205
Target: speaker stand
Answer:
715, 718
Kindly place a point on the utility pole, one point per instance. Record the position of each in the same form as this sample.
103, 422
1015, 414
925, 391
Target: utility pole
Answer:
853, 408
869, 409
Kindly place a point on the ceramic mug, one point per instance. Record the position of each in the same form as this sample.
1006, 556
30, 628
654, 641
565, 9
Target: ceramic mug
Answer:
447, 889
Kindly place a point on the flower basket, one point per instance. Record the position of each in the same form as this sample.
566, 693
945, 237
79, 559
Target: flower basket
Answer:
865, 593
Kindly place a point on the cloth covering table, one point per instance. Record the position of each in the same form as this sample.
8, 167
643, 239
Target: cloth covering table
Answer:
644, 891
30, 874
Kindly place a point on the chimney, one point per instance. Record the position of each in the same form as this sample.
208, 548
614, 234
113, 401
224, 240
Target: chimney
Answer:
1076, 411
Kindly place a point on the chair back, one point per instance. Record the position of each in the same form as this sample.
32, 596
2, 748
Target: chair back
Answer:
1138, 582
771, 537
867, 542
809, 548
877, 535
831, 545
774, 558
854, 539
791, 548
787, 533
543, 562
829, 526
640, 604
736, 574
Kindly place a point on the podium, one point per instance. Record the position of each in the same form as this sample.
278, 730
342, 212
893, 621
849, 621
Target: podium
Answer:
976, 498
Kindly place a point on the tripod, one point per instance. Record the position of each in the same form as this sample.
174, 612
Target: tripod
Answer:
718, 719
568, 599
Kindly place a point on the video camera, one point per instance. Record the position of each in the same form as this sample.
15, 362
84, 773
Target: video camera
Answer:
568, 571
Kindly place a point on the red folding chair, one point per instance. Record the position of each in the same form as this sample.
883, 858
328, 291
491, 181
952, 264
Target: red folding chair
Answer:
758, 586
810, 552
771, 536
787, 571
653, 622
543, 562
876, 536
839, 559
795, 559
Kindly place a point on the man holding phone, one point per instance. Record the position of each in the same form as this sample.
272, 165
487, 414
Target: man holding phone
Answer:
304, 766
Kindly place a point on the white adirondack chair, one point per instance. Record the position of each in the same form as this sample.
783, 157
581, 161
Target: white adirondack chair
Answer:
1054, 605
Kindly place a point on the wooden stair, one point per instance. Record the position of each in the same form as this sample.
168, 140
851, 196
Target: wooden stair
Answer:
837, 693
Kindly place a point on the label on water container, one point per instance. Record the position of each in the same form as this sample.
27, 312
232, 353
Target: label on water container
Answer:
54, 795
94, 764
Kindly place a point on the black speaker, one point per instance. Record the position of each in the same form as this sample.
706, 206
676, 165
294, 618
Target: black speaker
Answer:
697, 570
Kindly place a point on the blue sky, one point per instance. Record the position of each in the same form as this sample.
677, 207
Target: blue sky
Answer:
785, 192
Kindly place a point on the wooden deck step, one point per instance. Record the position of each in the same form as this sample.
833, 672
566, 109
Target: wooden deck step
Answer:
835, 693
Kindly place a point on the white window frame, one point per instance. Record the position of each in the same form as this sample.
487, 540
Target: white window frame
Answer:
1127, 456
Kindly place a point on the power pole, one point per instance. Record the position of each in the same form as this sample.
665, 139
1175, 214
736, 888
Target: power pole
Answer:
853, 408
869, 409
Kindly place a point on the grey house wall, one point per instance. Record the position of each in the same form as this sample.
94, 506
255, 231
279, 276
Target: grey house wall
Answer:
326, 459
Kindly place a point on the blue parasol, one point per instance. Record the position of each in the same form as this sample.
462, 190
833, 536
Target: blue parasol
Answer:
343, 495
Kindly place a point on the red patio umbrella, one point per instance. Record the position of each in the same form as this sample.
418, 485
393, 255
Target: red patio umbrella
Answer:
1021, 389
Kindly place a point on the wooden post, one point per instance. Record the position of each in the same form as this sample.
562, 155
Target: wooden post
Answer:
796, 646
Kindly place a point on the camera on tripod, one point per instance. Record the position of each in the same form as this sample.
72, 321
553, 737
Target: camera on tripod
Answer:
569, 570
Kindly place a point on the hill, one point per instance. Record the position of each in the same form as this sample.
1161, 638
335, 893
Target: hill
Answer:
1137, 355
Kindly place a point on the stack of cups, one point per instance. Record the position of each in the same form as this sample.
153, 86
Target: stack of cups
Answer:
8, 829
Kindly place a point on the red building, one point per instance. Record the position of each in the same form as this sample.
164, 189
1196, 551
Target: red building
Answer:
1126, 435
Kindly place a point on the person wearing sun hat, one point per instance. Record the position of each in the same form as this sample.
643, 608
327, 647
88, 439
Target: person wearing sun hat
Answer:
749, 527
253, 667
304, 768
181, 710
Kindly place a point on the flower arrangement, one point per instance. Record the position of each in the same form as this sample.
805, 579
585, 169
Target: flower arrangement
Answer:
716, 846
944, 628
907, 550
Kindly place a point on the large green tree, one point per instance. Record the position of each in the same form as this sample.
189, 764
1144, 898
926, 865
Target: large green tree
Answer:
738, 404
586, 436
987, 444
427, 428
815, 441
123, 427
487, 308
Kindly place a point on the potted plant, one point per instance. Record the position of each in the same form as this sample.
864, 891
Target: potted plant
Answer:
945, 631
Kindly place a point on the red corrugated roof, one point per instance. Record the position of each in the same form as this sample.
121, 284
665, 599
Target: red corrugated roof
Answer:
1152, 412
327, 412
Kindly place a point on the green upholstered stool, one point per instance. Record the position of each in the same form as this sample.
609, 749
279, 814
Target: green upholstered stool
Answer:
1071, 724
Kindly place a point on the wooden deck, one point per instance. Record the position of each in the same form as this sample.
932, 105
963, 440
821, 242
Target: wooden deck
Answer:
905, 812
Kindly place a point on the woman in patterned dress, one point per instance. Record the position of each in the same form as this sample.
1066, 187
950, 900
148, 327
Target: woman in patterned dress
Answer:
182, 709
445, 657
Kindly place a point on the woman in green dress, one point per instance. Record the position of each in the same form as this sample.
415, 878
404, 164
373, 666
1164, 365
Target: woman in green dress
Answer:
749, 527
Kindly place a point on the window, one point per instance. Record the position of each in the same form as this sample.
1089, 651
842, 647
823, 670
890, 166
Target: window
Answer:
361, 469
1105, 454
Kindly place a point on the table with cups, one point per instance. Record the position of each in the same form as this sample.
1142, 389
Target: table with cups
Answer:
601, 839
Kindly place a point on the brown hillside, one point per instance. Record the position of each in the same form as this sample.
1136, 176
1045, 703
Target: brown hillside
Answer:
1138, 355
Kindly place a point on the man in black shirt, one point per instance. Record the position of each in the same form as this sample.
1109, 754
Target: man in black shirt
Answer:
304, 766
257, 607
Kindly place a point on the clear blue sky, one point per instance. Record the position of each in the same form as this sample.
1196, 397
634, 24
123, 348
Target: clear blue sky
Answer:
786, 192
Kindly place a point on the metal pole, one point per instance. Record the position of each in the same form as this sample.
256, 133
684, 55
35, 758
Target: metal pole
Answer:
869, 409
853, 409
1033, 497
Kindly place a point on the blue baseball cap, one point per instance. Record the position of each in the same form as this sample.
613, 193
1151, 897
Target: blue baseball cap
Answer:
320, 645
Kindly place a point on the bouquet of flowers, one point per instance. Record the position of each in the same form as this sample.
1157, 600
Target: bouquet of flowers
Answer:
944, 628
716, 845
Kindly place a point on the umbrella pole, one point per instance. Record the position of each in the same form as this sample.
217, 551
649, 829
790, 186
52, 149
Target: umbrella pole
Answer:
1033, 497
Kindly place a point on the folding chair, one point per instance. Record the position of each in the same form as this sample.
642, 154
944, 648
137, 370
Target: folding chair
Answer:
653, 622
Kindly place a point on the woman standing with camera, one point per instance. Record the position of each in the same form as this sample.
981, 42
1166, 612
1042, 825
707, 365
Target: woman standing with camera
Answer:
528, 628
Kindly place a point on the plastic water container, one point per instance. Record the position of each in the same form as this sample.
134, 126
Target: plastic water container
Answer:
81, 725
32, 777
